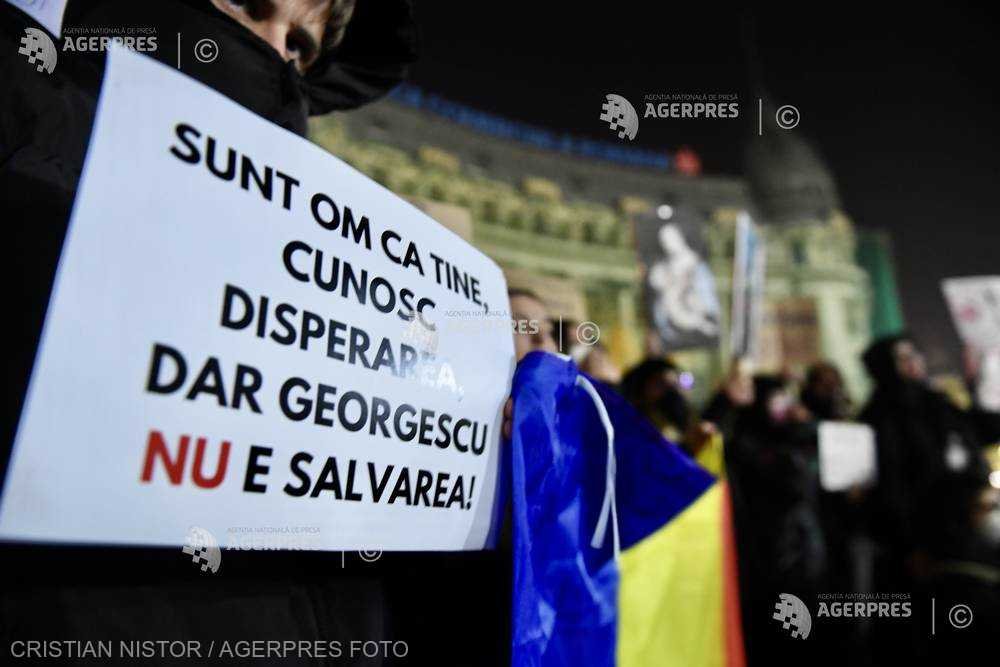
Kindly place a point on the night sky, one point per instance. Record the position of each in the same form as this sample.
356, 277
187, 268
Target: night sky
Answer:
902, 107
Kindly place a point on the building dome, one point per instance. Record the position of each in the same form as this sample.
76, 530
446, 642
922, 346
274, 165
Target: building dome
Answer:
790, 182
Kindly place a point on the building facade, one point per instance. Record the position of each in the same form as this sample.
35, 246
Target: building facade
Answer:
562, 224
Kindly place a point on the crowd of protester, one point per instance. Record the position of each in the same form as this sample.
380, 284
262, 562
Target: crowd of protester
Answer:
927, 524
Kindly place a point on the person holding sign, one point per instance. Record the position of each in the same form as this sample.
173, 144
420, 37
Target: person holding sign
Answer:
45, 127
282, 59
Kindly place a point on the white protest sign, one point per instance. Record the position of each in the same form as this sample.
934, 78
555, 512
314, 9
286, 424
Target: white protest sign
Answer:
231, 344
974, 303
49, 13
846, 455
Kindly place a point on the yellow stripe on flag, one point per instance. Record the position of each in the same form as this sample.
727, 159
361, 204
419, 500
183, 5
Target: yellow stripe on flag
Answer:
670, 595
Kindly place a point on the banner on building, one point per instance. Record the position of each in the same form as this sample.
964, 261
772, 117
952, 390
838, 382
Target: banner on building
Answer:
748, 288
681, 298
246, 333
789, 335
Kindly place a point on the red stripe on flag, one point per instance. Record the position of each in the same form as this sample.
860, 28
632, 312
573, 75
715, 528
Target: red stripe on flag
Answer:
731, 617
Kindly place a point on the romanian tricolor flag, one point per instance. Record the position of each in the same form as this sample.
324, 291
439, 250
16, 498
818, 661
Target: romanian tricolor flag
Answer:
623, 547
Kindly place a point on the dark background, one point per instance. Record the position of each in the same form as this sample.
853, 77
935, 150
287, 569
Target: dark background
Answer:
902, 106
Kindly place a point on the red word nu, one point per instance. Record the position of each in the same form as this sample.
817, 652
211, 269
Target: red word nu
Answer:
157, 450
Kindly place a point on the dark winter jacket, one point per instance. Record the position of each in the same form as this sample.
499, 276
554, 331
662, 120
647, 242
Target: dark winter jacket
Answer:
93, 593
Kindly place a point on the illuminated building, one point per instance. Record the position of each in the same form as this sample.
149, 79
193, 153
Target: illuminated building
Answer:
556, 213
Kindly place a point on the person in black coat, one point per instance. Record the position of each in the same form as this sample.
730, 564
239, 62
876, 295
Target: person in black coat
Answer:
771, 467
45, 118
923, 442
926, 508
106, 593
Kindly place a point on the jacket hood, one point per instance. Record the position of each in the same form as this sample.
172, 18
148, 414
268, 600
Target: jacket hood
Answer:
379, 45
880, 361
